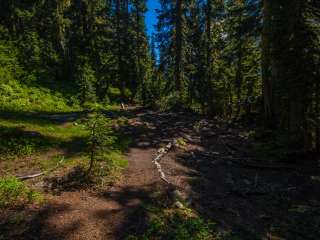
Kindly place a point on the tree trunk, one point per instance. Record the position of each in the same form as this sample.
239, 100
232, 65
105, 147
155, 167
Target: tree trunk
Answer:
284, 69
269, 102
317, 109
239, 80
210, 110
178, 45
119, 31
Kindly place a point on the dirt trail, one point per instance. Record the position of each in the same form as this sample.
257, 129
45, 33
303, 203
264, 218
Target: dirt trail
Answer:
83, 214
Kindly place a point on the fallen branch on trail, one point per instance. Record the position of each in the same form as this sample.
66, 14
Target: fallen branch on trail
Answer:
175, 194
123, 107
178, 143
160, 154
27, 177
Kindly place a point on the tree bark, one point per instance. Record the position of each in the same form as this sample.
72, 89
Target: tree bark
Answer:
284, 69
178, 45
269, 103
209, 60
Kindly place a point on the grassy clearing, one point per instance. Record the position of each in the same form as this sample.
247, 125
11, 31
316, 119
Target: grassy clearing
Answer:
23, 136
37, 141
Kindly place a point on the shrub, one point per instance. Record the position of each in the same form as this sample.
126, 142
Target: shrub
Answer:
100, 138
104, 149
15, 96
171, 102
179, 224
14, 192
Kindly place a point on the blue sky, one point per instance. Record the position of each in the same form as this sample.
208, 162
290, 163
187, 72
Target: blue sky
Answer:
151, 17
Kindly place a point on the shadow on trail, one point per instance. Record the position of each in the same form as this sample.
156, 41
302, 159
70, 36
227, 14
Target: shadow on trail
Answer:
121, 215
155, 129
133, 202
252, 201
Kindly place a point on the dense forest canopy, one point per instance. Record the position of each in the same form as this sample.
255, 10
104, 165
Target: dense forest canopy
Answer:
238, 59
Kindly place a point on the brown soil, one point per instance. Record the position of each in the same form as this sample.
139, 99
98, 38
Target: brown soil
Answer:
87, 215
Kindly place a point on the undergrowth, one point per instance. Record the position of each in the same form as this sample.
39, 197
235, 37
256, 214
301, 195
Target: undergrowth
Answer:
14, 193
104, 148
268, 144
178, 224
20, 97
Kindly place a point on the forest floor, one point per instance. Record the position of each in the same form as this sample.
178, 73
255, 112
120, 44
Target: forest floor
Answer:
214, 168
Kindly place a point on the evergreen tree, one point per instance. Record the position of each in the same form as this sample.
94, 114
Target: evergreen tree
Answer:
290, 47
172, 46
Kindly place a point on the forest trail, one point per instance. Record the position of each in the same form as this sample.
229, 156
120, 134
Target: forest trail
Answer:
213, 169
85, 214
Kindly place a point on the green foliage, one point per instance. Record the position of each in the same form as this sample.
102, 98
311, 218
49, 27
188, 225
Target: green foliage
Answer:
178, 225
14, 142
14, 193
19, 95
72, 47
9, 67
302, 223
268, 144
32, 135
86, 82
104, 148
219, 66
115, 94
15, 96
170, 102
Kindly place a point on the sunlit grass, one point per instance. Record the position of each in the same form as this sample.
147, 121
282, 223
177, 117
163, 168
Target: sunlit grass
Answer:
34, 141
47, 128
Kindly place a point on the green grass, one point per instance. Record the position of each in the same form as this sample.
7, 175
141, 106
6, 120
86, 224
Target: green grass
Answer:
46, 141
178, 224
14, 193
20, 97
23, 136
